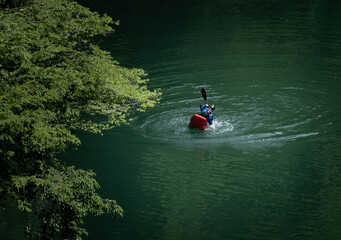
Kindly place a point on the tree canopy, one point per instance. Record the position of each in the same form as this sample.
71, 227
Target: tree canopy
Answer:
56, 82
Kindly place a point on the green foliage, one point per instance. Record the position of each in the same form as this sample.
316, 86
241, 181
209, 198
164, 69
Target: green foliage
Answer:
67, 195
56, 82
14, 3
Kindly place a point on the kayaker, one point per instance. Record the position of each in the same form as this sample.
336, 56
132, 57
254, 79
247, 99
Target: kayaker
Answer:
206, 111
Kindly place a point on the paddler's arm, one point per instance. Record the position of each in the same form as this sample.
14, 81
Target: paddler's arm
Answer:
210, 119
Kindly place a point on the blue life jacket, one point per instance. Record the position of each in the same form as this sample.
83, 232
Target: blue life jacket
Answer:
206, 112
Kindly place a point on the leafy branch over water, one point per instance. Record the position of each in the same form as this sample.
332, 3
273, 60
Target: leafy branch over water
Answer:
56, 82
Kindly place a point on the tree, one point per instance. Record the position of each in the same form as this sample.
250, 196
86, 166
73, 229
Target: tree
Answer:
56, 82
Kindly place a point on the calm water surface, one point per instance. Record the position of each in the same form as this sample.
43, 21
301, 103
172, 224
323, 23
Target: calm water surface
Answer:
270, 167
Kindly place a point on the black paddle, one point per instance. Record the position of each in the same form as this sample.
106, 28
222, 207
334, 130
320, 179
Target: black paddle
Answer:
203, 92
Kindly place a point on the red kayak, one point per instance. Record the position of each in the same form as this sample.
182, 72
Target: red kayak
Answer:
198, 122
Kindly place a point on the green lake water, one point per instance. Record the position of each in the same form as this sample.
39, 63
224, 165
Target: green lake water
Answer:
270, 166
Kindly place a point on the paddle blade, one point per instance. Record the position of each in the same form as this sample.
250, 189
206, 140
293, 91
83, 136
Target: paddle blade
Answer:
203, 92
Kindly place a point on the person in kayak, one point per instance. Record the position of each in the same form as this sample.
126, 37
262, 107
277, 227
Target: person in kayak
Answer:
206, 111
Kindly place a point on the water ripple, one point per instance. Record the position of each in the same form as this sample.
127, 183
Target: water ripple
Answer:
268, 117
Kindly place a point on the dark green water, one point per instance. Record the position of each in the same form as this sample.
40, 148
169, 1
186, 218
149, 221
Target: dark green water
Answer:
270, 168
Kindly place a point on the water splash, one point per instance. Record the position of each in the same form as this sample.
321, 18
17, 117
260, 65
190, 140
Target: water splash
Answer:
220, 127
255, 120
